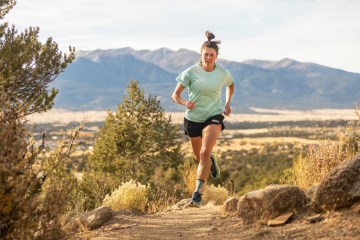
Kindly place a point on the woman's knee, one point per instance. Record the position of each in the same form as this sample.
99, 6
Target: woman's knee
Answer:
205, 153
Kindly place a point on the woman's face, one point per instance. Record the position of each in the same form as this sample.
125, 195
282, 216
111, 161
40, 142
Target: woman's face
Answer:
208, 56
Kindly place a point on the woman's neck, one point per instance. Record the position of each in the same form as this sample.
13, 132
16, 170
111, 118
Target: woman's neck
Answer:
208, 68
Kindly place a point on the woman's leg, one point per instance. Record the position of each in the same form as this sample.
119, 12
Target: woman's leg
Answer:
196, 143
210, 135
203, 148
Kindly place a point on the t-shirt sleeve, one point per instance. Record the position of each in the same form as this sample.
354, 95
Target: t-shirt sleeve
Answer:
228, 78
184, 79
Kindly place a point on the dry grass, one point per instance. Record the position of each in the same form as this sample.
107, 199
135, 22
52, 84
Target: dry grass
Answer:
131, 196
216, 195
189, 175
310, 170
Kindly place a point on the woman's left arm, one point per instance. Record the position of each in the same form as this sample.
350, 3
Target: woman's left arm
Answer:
229, 93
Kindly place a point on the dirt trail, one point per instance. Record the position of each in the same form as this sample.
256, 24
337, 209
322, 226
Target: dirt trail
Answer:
207, 222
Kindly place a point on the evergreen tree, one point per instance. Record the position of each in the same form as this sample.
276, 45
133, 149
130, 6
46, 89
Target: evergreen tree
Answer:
137, 140
27, 66
32, 195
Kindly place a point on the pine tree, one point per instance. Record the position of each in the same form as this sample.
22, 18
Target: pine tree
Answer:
27, 66
31, 198
137, 140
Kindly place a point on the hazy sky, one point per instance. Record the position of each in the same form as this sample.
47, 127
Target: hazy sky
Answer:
326, 32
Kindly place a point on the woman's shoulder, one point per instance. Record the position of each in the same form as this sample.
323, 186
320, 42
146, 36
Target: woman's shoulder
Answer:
193, 69
222, 69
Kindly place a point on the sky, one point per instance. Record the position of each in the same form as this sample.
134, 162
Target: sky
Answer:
325, 32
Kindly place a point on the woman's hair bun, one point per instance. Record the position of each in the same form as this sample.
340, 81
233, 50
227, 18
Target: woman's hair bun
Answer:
211, 43
209, 35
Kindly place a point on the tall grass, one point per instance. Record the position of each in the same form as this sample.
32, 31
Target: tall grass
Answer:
165, 190
216, 195
309, 169
189, 175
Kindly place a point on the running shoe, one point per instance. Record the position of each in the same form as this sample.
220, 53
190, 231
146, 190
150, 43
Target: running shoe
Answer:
195, 200
214, 170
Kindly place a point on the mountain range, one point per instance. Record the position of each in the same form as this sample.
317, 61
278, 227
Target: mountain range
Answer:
97, 80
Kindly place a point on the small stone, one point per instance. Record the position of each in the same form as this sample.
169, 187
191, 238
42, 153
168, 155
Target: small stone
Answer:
181, 205
280, 220
315, 218
96, 218
356, 208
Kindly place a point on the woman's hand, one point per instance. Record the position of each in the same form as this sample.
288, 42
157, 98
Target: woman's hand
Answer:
227, 110
229, 93
190, 105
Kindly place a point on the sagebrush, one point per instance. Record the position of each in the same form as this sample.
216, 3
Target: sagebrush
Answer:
131, 195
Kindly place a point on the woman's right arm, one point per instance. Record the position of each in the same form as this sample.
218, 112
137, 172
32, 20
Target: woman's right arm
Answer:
176, 96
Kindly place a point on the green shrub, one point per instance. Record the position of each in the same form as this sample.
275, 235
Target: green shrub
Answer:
92, 189
137, 142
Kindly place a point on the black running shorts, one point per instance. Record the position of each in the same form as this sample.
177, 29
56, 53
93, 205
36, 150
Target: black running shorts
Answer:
194, 129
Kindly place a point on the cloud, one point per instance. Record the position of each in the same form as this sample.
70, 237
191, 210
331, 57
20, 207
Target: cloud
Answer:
326, 32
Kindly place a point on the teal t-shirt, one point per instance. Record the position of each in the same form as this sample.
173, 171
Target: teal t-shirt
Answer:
204, 89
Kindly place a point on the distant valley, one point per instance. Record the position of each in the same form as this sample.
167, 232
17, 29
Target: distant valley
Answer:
97, 80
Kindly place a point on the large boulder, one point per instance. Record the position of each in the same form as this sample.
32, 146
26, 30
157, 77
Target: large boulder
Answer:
341, 187
96, 218
270, 202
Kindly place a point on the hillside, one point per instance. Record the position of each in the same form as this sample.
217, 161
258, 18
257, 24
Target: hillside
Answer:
97, 81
